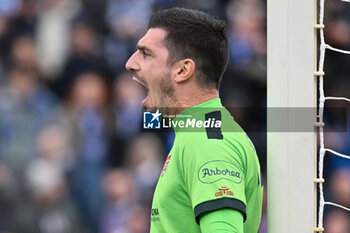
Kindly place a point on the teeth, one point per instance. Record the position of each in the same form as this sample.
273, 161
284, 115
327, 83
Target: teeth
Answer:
138, 81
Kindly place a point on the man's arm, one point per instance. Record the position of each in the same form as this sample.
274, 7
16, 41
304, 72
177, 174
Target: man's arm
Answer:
223, 220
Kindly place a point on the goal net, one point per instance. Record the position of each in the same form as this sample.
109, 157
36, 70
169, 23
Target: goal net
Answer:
296, 97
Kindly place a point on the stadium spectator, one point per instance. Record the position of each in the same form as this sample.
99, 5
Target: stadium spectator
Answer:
26, 106
127, 113
24, 53
337, 221
121, 192
85, 56
89, 114
143, 158
54, 22
54, 209
127, 96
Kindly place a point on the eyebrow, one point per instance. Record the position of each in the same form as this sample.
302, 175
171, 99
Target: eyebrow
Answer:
144, 48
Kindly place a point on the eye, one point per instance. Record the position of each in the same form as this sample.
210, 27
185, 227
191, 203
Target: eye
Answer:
144, 53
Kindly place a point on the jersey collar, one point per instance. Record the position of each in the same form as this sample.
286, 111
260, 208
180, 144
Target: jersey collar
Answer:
197, 111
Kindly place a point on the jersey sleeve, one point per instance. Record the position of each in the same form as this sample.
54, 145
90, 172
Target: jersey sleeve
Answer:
222, 220
214, 176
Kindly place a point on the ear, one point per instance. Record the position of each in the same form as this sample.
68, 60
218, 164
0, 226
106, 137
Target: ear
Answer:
184, 70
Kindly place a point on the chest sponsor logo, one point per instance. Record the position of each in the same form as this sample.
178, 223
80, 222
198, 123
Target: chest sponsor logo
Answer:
216, 170
166, 164
224, 191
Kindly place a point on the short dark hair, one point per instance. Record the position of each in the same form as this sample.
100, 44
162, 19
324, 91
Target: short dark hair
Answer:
196, 35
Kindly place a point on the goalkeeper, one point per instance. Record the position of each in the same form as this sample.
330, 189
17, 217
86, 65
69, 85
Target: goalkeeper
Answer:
211, 179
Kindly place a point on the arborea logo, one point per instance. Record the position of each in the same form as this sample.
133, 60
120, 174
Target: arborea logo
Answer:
216, 170
151, 120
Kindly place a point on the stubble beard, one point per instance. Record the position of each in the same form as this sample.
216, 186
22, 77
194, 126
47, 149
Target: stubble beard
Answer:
168, 98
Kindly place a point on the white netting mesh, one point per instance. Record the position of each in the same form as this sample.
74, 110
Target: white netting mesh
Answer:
322, 98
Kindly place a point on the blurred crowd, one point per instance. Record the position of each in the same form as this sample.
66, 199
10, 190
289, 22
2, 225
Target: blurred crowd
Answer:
73, 156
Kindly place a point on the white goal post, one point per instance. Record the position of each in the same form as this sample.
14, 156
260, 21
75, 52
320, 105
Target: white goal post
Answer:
291, 156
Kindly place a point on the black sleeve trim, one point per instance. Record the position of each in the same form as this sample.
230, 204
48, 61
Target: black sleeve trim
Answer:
216, 204
214, 133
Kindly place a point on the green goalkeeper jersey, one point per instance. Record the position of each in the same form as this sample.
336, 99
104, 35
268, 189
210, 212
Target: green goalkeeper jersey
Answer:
208, 168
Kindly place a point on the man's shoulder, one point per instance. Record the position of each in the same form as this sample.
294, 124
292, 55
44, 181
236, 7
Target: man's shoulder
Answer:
228, 134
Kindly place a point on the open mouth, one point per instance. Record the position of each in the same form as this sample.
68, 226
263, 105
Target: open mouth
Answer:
143, 102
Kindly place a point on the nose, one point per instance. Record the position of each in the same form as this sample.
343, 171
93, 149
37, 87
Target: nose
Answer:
131, 64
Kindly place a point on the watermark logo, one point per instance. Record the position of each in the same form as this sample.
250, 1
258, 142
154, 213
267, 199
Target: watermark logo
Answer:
192, 123
216, 170
157, 120
151, 120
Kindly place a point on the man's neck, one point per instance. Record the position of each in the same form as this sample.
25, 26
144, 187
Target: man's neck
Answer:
194, 98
